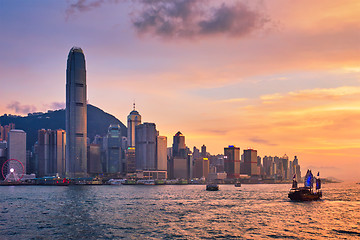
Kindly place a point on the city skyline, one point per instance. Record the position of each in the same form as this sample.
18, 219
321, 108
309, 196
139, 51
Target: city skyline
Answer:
284, 83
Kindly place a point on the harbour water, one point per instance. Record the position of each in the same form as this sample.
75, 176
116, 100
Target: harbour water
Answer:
177, 212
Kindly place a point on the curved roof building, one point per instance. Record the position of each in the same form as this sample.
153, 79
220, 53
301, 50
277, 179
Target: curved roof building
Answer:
76, 114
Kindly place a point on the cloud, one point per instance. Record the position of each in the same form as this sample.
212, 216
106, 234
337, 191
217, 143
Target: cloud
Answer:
82, 6
22, 109
189, 18
57, 105
262, 141
185, 18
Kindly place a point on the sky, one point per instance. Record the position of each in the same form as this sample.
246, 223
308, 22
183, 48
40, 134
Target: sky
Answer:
281, 77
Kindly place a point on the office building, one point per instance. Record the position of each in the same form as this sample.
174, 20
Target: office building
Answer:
201, 168
50, 153
112, 146
232, 162
130, 160
94, 160
179, 147
251, 167
17, 146
145, 146
161, 153
133, 120
76, 114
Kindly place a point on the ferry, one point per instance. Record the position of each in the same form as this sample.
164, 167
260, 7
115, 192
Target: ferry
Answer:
212, 187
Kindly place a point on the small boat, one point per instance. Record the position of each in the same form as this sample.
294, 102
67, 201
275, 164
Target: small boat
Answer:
212, 187
238, 184
306, 193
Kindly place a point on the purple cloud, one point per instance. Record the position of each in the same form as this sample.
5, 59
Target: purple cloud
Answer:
22, 109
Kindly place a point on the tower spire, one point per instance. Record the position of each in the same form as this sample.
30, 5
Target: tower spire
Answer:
134, 105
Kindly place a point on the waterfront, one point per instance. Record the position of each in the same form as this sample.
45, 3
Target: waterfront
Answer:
177, 212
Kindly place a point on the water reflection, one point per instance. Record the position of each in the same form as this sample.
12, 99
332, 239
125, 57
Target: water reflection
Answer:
141, 212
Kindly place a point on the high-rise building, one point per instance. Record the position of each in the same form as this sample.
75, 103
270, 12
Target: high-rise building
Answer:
130, 160
3, 155
180, 165
161, 153
76, 114
1, 133
4, 131
203, 151
285, 164
112, 144
251, 167
50, 152
201, 168
17, 146
133, 120
196, 153
145, 146
179, 147
232, 162
94, 160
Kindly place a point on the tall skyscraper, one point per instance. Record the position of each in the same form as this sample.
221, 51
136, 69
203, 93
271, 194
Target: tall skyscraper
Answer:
145, 146
133, 120
76, 114
232, 161
17, 146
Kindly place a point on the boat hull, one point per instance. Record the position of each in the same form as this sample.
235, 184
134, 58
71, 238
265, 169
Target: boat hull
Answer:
302, 195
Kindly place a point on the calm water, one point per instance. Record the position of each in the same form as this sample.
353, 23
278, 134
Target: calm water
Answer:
176, 212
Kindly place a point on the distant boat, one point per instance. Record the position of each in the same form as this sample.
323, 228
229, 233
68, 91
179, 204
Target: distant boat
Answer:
306, 193
212, 187
237, 184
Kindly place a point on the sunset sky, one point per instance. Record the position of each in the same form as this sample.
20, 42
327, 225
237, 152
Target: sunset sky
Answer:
282, 77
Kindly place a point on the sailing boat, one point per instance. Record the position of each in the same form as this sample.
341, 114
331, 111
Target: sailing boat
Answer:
306, 193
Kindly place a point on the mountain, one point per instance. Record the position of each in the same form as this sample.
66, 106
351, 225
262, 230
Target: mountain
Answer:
98, 122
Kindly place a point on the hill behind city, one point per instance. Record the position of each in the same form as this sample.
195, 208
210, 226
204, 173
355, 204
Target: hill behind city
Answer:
98, 122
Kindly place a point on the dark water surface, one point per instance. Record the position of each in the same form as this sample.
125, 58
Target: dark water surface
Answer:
177, 212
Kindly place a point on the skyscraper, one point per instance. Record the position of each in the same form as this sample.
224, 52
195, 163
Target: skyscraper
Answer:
133, 120
76, 114
113, 150
161, 153
232, 161
179, 147
17, 146
251, 162
145, 147
203, 151
50, 152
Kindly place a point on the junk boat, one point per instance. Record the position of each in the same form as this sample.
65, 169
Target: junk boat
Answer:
212, 187
306, 193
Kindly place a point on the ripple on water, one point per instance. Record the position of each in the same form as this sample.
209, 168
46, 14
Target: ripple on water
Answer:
176, 212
